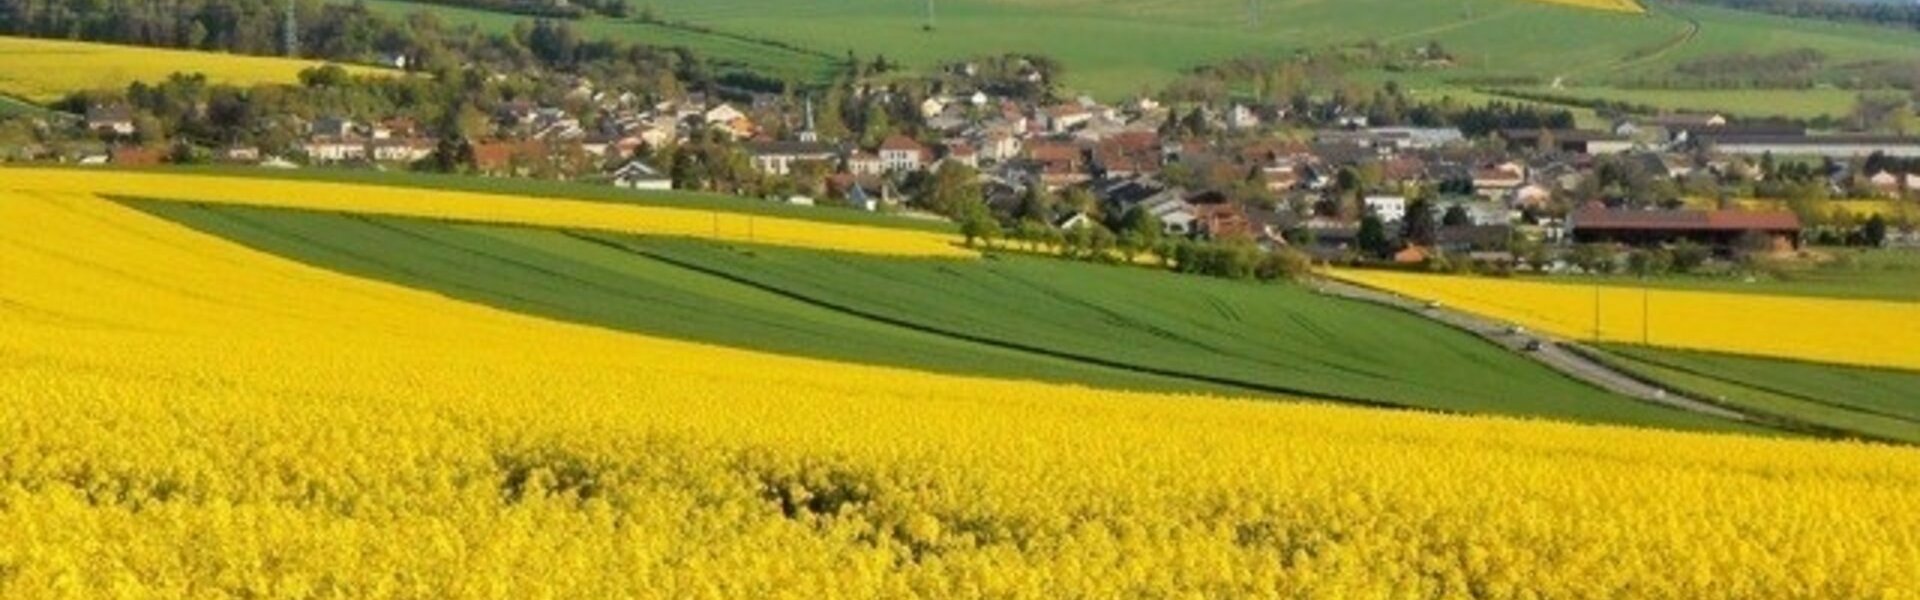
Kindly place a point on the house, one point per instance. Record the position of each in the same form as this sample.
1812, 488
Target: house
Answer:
865, 164
901, 153
508, 157
730, 121
404, 150
932, 107
858, 196
998, 146
1495, 181
1390, 209
240, 154
1177, 217
1720, 229
135, 156
1061, 118
1893, 184
1478, 212
110, 119
724, 113
1060, 164
327, 148
1241, 117
638, 175
962, 153
1222, 220
1532, 195
332, 127
1128, 154
777, 158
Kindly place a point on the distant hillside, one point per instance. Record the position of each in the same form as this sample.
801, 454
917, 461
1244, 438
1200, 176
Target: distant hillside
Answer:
1116, 48
46, 70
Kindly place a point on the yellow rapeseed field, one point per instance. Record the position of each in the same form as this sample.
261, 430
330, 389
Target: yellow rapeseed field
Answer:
1854, 332
1625, 6
47, 70
489, 208
183, 417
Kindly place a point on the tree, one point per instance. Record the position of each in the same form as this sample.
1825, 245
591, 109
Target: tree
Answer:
1688, 256
328, 75
1035, 205
1139, 232
1456, 216
977, 222
1593, 258
952, 188
1417, 228
1650, 262
1373, 236
1874, 232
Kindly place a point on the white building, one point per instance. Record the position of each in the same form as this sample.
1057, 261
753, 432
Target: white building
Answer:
1391, 209
637, 175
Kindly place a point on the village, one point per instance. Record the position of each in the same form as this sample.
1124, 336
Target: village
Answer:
1327, 183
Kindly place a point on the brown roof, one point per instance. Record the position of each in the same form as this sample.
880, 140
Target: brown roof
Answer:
901, 143
499, 155
1054, 152
1685, 220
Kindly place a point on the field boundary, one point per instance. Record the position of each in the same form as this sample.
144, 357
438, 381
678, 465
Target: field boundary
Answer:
1770, 389
1572, 364
1763, 417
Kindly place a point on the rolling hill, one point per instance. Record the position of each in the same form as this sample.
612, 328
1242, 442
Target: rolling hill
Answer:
41, 70
1006, 317
1122, 47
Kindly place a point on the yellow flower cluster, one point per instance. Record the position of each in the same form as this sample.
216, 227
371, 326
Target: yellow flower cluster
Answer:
183, 417
490, 208
1854, 332
47, 70
1625, 6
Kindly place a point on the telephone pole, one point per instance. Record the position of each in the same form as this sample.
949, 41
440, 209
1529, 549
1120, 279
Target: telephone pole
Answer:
290, 32
929, 25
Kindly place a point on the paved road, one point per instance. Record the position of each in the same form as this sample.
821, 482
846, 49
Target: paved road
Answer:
1555, 354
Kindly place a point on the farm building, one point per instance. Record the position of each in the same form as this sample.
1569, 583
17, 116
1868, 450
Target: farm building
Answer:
1574, 141
1720, 229
1835, 146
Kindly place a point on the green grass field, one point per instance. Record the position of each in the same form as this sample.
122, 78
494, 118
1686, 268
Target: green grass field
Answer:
1121, 47
1028, 318
1864, 275
1880, 404
1755, 103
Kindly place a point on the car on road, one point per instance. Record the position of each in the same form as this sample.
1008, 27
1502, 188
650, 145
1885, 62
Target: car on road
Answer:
1534, 346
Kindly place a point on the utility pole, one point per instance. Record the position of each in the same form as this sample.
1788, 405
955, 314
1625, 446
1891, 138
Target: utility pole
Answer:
1596, 313
1646, 315
929, 26
290, 32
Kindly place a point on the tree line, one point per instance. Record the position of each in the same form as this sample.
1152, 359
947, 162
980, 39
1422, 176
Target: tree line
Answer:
1896, 14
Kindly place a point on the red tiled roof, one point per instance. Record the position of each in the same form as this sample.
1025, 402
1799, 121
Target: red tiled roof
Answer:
901, 143
1054, 152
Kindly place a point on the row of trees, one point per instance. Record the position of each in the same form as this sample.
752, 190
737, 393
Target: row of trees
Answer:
1898, 14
